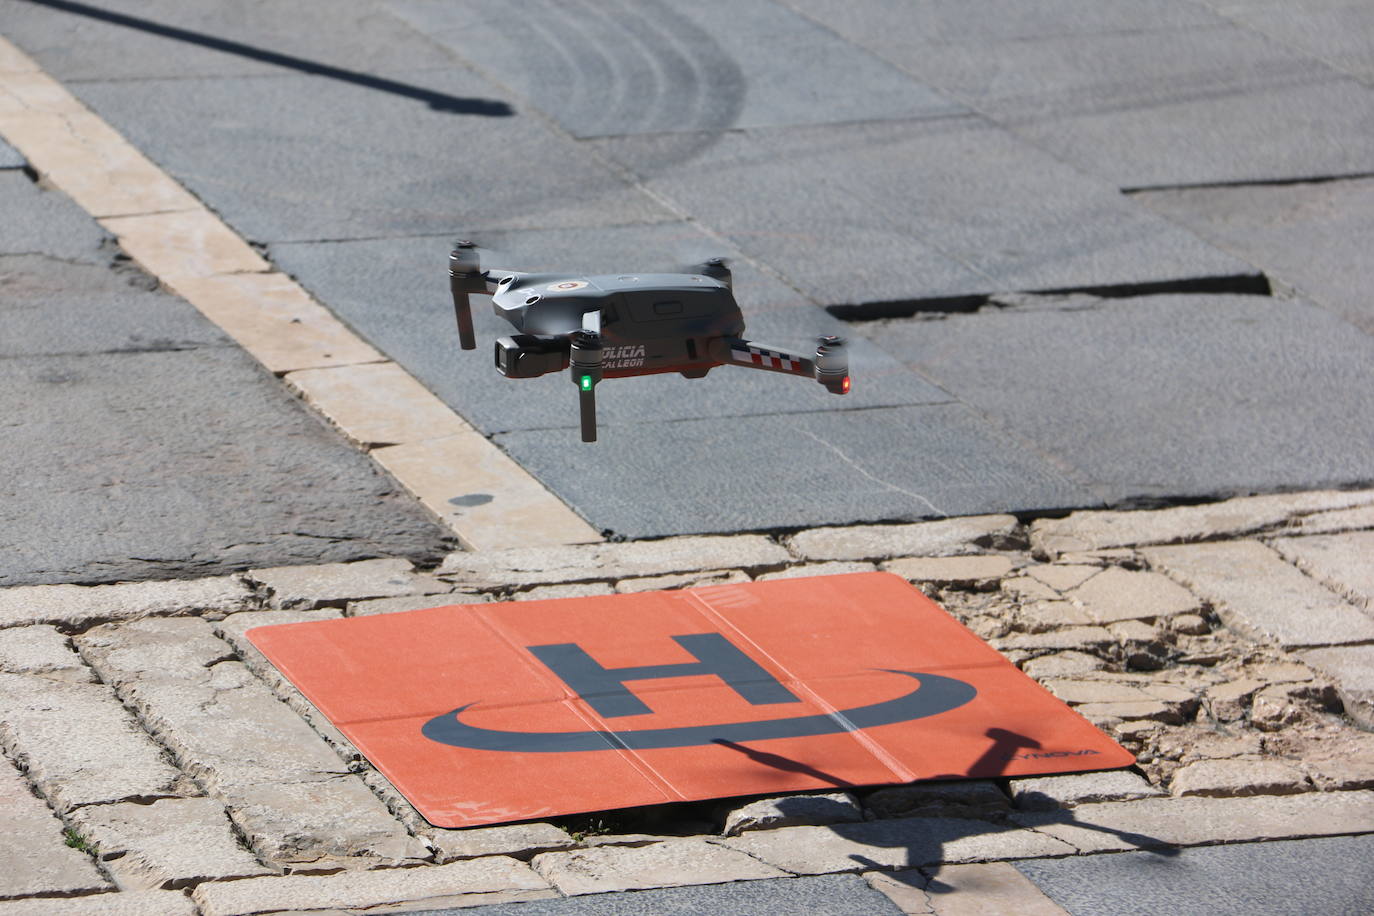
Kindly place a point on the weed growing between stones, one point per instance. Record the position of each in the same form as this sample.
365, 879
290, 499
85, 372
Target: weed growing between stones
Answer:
76, 841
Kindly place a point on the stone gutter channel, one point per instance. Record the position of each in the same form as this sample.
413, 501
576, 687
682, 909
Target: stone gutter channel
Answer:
156, 762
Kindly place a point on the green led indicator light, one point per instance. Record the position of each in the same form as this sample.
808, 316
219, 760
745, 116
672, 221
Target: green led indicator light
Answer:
585, 382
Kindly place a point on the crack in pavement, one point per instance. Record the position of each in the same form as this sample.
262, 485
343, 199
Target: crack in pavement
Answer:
883, 483
1256, 284
1250, 183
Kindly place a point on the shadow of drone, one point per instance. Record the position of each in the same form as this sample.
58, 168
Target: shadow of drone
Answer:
925, 840
779, 762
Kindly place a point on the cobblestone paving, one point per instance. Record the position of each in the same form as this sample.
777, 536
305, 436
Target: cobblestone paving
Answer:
155, 762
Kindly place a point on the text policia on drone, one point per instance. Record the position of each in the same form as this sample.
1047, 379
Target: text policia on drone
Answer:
620, 326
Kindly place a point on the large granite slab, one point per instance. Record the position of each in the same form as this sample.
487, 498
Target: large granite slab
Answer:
1335, 31
10, 157
650, 478
1150, 108
140, 443
888, 212
1320, 875
157, 464
149, 39
1163, 395
603, 68
51, 224
1314, 237
52, 307
878, 23
309, 157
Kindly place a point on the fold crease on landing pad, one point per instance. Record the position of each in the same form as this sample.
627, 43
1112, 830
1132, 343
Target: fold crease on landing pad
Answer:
490, 713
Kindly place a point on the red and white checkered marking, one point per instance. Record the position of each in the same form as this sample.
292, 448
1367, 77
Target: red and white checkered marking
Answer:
760, 357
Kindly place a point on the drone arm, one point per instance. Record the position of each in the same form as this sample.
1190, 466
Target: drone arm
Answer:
830, 366
735, 351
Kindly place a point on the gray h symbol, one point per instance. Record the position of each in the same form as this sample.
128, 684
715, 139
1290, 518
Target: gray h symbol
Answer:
604, 688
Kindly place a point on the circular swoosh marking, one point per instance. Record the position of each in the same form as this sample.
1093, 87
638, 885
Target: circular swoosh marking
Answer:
936, 694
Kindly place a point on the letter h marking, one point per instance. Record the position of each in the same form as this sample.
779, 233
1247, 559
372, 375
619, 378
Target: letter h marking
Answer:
604, 688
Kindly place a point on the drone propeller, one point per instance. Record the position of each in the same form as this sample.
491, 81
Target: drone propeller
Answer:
585, 361
832, 364
715, 268
464, 278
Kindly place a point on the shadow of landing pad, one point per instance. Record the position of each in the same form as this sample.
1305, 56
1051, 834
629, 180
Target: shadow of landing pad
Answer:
490, 713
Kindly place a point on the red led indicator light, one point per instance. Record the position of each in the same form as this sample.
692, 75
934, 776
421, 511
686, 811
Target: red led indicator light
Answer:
846, 384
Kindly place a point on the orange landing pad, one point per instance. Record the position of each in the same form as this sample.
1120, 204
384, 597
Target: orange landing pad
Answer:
489, 713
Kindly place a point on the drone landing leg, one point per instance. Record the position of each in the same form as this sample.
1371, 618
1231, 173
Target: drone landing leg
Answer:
587, 401
585, 361
462, 309
464, 277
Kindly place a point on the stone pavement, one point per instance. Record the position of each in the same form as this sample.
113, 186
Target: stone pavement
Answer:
1120, 314
146, 444
155, 762
139, 442
1087, 252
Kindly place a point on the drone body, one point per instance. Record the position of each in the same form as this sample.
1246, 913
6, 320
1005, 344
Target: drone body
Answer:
617, 326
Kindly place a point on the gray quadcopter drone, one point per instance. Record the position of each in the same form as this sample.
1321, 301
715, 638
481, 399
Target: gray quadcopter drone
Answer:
621, 326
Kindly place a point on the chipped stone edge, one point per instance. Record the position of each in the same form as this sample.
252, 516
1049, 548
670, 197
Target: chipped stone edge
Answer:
1052, 538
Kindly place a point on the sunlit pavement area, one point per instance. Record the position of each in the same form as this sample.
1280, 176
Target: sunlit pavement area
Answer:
1086, 253
214, 786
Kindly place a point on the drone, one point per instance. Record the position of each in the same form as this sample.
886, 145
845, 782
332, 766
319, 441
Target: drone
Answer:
619, 326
